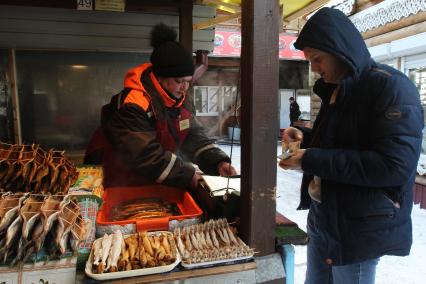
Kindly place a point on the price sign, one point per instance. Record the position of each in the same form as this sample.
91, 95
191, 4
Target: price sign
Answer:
84, 4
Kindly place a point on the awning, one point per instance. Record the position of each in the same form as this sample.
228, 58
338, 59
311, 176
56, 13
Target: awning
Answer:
231, 9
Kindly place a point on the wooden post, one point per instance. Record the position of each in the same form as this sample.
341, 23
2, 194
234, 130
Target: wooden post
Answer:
259, 91
185, 24
15, 98
201, 64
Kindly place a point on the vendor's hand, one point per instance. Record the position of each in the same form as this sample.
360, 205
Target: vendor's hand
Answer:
294, 162
292, 134
195, 180
226, 169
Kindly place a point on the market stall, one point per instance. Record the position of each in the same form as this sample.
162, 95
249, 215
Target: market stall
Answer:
178, 234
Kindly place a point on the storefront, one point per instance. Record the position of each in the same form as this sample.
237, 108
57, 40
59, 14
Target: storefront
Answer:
58, 67
215, 93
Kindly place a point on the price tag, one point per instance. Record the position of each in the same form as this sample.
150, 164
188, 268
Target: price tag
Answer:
110, 5
84, 4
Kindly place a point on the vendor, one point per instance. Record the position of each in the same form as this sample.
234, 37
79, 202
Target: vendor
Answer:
151, 134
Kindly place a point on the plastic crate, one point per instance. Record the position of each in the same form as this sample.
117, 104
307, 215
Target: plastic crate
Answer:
190, 211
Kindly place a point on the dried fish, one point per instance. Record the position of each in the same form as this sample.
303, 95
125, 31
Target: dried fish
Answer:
13, 233
106, 245
117, 242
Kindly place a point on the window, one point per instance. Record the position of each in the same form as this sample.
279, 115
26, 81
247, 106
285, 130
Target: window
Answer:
303, 98
229, 95
211, 100
418, 77
206, 100
61, 93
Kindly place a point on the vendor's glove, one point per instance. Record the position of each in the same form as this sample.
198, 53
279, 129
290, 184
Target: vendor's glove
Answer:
195, 180
225, 169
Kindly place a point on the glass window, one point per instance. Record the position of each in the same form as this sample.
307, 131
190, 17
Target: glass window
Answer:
303, 98
61, 93
206, 100
418, 77
229, 95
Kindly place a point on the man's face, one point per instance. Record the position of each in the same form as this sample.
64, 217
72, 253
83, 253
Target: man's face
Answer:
176, 86
326, 65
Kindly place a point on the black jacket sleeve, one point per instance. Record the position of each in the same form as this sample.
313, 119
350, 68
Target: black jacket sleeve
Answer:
201, 150
133, 136
394, 142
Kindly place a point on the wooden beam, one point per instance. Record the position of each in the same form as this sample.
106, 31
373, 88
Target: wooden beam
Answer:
15, 98
306, 10
71, 4
395, 35
218, 2
224, 62
227, 7
393, 26
168, 7
259, 89
201, 64
187, 274
185, 24
361, 5
215, 21
154, 6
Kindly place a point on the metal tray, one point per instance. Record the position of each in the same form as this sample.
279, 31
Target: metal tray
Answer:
135, 272
217, 262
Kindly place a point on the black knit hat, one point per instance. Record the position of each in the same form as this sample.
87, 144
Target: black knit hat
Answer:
169, 58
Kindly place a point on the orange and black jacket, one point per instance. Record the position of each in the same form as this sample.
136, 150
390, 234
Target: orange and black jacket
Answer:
153, 137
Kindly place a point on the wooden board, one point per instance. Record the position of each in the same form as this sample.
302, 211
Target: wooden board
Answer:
186, 274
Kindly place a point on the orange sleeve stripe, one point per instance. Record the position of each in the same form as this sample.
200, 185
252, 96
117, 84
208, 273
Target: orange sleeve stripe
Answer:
137, 97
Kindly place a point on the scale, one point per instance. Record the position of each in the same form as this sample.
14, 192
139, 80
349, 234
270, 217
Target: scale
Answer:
220, 196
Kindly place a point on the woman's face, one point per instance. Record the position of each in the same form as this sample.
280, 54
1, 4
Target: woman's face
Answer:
176, 86
328, 66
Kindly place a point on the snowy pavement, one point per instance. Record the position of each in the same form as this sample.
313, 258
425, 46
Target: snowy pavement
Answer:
391, 269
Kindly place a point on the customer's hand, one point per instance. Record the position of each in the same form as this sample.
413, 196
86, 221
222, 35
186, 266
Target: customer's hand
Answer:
226, 169
294, 162
292, 134
195, 180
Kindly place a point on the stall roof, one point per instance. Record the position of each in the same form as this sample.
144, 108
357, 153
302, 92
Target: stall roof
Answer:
231, 9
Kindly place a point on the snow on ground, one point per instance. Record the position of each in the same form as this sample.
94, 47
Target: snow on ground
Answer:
391, 269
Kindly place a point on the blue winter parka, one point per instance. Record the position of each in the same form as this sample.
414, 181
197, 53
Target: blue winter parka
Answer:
368, 165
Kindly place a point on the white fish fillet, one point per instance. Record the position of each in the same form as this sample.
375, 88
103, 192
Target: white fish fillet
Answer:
97, 251
114, 255
106, 246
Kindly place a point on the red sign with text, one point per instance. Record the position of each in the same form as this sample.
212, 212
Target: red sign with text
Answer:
229, 44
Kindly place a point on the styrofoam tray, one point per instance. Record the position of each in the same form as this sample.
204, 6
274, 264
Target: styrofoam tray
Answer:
131, 273
212, 263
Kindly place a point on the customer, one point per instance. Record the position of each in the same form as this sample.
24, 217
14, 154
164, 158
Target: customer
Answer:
294, 111
360, 159
153, 136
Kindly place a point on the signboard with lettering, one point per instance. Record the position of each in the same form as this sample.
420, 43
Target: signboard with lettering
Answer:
110, 5
228, 44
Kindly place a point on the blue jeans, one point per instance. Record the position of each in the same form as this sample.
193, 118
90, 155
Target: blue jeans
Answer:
319, 272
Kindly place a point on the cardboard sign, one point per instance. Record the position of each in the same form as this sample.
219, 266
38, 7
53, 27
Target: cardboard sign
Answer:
110, 5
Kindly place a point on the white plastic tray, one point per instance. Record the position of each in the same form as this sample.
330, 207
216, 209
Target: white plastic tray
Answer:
131, 273
212, 263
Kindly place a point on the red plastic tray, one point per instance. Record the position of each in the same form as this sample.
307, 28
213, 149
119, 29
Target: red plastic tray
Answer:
115, 195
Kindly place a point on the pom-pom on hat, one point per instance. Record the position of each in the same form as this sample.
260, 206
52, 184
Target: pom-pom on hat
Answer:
169, 58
